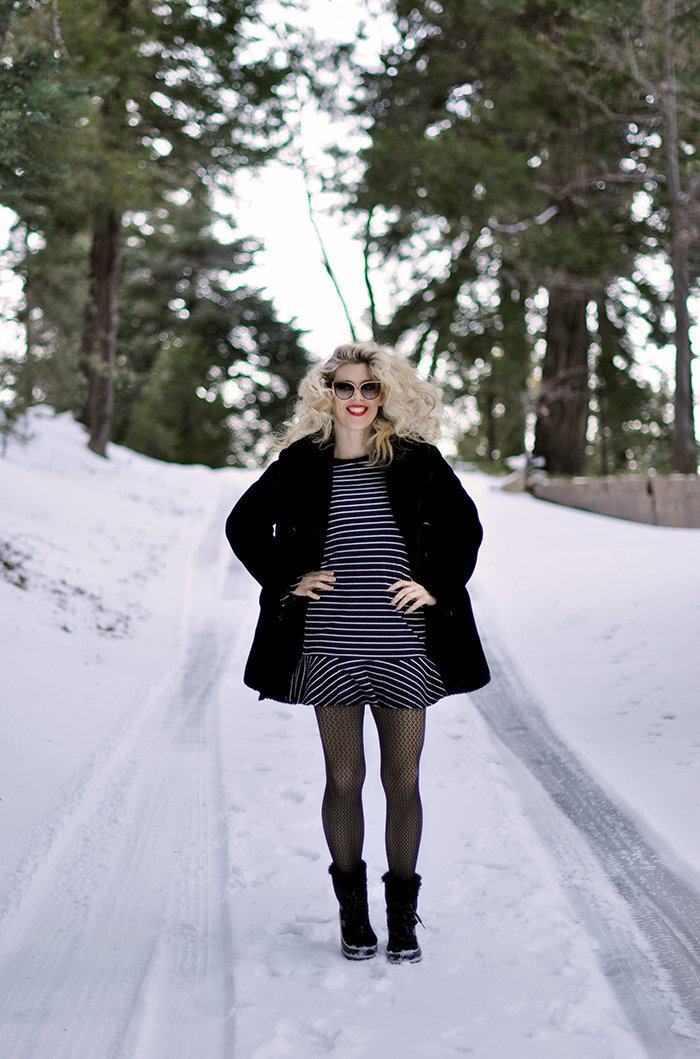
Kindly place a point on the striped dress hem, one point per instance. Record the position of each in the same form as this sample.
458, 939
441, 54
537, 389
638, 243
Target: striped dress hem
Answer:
393, 683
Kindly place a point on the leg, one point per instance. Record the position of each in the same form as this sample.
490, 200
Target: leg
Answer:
343, 749
401, 737
344, 826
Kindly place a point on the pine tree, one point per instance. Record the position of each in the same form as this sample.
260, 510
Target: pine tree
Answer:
488, 172
172, 106
655, 45
204, 369
633, 420
41, 99
207, 370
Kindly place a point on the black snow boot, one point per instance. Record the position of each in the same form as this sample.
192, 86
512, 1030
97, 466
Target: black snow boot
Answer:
357, 939
401, 918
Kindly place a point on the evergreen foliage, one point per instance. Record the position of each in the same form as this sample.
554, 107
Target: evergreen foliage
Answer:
41, 99
128, 119
525, 156
207, 365
505, 158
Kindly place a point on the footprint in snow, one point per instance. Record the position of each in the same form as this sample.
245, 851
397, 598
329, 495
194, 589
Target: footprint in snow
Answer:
302, 851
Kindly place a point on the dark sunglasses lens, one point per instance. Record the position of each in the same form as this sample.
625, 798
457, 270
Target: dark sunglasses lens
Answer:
343, 389
370, 390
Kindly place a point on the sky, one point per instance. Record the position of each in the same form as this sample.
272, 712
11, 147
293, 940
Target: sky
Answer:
272, 205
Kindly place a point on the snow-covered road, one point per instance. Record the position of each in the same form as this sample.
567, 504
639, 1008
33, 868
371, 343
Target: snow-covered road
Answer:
643, 912
121, 943
166, 892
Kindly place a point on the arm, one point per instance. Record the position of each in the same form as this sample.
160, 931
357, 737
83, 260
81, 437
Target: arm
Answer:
451, 531
250, 529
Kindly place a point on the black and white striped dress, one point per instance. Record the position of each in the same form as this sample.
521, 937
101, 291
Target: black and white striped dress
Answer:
358, 649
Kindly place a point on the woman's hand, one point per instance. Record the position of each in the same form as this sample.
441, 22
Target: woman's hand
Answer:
316, 581
413, 593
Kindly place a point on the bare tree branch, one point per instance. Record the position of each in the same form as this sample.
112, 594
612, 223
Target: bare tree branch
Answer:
57, 38
522, 226
633, 66
367, 275
304, 169
693, 188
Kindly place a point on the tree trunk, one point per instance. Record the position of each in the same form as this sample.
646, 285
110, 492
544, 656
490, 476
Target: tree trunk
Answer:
683, 457
99, 343
562, 417
26, 374
6, 9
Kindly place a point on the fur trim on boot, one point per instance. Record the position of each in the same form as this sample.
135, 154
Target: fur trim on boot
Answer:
357, 939
401, 918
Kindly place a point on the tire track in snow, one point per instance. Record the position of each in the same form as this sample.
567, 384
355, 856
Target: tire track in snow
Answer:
121, 943
649, 942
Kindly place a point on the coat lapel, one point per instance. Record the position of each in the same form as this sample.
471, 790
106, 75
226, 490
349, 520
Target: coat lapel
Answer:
306, 481
406, 476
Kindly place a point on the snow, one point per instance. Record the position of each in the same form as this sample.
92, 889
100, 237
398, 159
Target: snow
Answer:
602, 617
99, 618
165, 886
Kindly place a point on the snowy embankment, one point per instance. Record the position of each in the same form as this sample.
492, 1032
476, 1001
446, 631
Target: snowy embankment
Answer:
602, 618
165, 890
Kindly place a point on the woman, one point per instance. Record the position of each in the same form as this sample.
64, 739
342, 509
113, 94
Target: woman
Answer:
363, 539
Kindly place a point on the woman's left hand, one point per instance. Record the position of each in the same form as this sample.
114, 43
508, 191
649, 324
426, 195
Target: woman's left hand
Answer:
413, 593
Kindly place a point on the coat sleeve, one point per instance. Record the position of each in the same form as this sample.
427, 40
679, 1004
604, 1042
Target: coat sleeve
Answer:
453, 532
250, 529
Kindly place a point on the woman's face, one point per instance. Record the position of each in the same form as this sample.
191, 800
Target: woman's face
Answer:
357, 413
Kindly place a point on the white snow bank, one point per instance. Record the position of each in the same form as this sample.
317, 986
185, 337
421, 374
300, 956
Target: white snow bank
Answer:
602, 617
98, 545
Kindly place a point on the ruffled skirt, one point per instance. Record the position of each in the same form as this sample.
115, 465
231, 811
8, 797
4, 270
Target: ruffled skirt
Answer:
396, 683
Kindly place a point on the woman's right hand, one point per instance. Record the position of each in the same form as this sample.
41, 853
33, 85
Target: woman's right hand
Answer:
316, 581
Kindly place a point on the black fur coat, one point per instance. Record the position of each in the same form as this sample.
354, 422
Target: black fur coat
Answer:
278, 528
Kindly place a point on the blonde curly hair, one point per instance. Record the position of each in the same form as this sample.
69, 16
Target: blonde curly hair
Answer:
411, 408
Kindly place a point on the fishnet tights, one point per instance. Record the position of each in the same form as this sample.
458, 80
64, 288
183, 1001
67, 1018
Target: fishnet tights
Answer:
401, 736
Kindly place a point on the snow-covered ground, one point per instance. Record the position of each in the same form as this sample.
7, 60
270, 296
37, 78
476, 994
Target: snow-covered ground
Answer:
165, 892
602, 617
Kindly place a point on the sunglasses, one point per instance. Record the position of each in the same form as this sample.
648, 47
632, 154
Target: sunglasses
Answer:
345, 390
